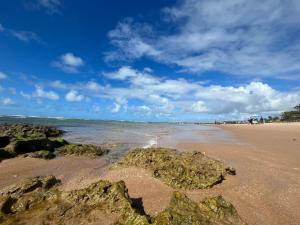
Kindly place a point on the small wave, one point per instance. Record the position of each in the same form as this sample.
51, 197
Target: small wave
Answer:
152, 143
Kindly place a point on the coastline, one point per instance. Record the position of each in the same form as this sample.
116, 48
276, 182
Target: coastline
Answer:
264, 191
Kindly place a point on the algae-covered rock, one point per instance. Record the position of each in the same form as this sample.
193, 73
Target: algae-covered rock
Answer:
38, 201
35, 202
183, 211
19, 139
23, 131
82, 150
43, 154
190, 170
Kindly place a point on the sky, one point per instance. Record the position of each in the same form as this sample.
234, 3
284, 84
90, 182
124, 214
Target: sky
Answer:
159, 60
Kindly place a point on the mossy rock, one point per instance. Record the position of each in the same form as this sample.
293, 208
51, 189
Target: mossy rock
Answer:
190, 170
38, 201
19, 139
82, 150
183, 211
29, 131
43, 154
32, 202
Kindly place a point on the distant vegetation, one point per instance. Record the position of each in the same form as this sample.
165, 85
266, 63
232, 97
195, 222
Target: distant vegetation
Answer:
291, 116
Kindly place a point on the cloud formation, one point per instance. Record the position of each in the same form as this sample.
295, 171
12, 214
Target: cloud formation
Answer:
240, 37
69, 63
22, 35
74, 96
7, 101
50, 6
41, 93
2, 76
165, 96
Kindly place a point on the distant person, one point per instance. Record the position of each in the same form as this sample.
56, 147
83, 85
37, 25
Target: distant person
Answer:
250, 121
261, 120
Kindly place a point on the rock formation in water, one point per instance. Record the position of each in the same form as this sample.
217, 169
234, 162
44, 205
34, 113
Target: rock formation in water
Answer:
39, 141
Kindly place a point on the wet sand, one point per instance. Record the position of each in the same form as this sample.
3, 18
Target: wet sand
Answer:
74, 172
266, 189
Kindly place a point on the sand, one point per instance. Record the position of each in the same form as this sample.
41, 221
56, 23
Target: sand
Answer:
266, 189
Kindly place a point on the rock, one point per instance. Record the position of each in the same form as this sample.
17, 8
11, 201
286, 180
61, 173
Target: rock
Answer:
4, 141
38, 201
43, 154
191, 170
183, 211
32, 203
24, 138
5, 154
23, 131
82, 150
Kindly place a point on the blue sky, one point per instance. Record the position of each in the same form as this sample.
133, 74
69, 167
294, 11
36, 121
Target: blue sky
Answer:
185, 60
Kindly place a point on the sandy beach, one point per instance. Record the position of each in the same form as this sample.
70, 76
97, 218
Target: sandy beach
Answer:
266, 189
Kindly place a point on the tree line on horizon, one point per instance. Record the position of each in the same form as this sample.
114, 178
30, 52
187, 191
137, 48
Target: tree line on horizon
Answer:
291, 116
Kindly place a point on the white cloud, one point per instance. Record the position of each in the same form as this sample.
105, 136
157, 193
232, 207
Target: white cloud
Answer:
143, 109
198, 107
169, 96
41, 93
25, 36
22, 35
122, 73
74, 96
238, 37
7, 101
69, 63
58, 84
50, 6
93, 86
24, 95
115, 108
2, 76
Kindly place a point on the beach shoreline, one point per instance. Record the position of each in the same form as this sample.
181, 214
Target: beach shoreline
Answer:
266, 189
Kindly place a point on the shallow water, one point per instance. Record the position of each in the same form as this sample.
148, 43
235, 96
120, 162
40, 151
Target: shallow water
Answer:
129, 135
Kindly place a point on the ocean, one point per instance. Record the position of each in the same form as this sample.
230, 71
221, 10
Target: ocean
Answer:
128, 135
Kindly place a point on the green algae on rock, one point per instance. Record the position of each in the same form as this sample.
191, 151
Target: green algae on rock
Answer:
188, 170
23, 131
38, 201
19, 139
183, 211
82, 149
34, 202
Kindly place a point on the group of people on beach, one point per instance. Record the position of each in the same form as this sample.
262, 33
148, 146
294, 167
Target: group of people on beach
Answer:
256, 121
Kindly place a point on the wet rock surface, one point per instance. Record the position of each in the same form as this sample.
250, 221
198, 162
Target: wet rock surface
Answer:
19, 139
38, 201
190, 170
38, 141
82, 149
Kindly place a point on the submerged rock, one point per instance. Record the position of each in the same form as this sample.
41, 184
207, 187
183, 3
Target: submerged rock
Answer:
190, 170
38, 201
82, 149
